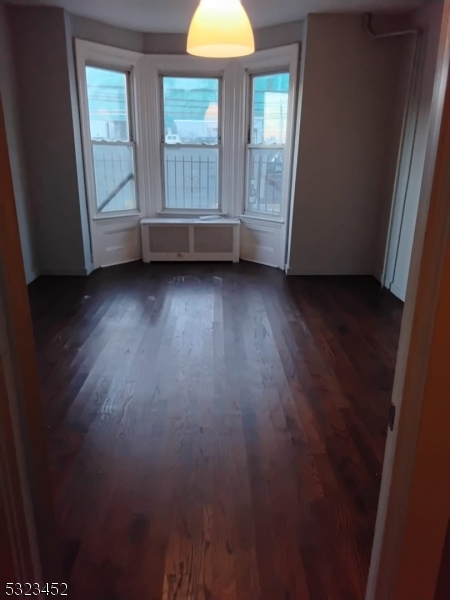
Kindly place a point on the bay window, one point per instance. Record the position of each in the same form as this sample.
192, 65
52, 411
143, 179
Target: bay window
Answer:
175, 136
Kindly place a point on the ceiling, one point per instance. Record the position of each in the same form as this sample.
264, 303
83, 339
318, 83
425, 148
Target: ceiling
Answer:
174, 15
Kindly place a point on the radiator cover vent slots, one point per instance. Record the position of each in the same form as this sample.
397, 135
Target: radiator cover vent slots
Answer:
166, 239
213, 239
169, 239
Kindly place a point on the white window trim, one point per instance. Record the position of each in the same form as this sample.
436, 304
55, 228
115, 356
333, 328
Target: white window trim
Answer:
284, 58
92, 54
164, 210
168, 65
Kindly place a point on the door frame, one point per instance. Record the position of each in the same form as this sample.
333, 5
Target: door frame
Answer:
26, 502
414, 504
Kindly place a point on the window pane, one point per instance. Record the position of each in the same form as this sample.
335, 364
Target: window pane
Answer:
269, 110
191, 110
191, 177
108, 104
114, 177
265, 181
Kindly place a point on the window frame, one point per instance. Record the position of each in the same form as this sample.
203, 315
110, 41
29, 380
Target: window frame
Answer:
268, 62
219, 146
252, 146
90, 54
106, 143
157, 66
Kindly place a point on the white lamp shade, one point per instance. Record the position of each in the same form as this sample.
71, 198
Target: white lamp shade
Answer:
220, 29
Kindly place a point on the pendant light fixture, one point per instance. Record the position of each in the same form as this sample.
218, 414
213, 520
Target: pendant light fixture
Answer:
220, 29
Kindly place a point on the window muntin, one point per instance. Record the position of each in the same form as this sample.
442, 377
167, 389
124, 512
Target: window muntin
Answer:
111, 140
191, 142
266, 143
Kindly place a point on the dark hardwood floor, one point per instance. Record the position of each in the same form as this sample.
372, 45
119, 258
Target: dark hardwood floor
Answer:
216, 432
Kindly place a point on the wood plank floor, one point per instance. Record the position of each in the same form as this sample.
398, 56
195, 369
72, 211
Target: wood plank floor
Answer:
216, 432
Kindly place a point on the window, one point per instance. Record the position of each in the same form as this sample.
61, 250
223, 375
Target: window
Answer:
191, 144
111, 140
266, 143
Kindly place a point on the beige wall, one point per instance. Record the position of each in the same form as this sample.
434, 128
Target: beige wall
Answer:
101, 33
42, 50
8, 86
349, 133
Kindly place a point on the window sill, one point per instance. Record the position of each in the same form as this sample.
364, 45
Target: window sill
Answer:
189, 221
190, 214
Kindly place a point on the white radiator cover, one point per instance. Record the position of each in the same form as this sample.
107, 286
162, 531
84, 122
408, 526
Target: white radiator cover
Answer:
190, 240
